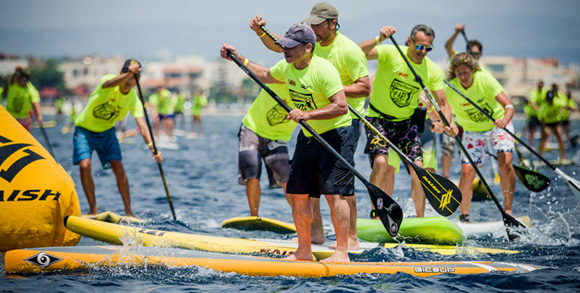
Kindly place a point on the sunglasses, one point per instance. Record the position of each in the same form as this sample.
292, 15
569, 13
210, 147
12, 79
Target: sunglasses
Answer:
427, 48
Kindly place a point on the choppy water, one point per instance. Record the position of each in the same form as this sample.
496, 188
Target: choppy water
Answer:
202, 179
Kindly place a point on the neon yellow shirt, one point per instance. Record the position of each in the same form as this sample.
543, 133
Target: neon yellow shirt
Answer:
20, 100
395, 91
483, 92
199, 102
350, 61
552, 113
537, 96
310, 88
107, 106
163, 101
566, 112
267, 118
179, 103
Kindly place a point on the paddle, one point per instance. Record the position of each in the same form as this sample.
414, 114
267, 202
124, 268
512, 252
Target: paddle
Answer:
532, 180
494, 167
508, 220
387, 209
43, 131
573, 183
443, 195
154, 146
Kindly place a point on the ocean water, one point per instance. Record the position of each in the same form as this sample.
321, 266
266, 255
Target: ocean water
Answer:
202, 180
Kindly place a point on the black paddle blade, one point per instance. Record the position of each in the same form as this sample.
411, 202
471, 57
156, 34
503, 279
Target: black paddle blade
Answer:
443, 195
387, 209
532, 180
514, 228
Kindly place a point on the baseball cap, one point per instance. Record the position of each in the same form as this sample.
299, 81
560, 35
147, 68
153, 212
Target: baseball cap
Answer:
321, 12
297, 34
129, 62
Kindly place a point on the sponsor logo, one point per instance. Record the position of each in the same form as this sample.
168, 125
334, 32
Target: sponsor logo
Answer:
380, 204
304, 102
43, 259
28, 195
445, 199
277, 115
291, 82
276, 251
402, 92
433, 187
402, 74
152, 232
434, 270
476, 116
106, 112
9, 149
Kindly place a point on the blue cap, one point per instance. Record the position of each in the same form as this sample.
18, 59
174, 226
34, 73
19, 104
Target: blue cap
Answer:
297, 34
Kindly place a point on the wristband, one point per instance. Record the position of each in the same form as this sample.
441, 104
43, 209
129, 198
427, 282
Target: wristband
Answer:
150, 144
246, 62
377, 40
262, 35
508, 106
431, 110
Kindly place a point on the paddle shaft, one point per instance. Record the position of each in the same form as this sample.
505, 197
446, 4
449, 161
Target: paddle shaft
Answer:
508, 220
155, 147
390, 204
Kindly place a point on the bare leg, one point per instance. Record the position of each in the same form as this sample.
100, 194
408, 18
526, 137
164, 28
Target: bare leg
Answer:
123, 186
317, 231
417, 192
507, 180
88, 185
340, 214
557, 131
288, 196
543, 139
352, 237
253, 192
466, 186
302, 215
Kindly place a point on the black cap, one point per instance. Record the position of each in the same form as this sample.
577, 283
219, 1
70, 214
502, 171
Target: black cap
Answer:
129, 62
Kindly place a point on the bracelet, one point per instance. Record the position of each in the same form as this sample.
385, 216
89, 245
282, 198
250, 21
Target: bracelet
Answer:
509, 106
377, 40
246, 62
262, 35
431, 110
150, 144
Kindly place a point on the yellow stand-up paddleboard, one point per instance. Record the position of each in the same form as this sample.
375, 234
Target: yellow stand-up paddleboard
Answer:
111, 217
120, 234
54, 259
259, 223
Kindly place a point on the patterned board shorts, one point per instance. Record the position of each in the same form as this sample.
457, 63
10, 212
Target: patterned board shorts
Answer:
475, 143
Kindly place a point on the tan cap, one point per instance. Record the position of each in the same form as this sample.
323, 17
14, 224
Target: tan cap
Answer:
321, 12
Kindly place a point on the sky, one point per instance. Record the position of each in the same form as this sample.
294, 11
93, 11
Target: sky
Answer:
154, 28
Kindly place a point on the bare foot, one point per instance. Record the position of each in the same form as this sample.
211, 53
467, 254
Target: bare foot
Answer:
299, 255
337, 257
353, 245
131, 214
313, 240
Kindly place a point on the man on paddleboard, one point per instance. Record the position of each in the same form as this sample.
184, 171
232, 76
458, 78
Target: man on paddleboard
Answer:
95, 131
318, 95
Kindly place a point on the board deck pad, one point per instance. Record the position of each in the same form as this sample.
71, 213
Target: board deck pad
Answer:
253, 223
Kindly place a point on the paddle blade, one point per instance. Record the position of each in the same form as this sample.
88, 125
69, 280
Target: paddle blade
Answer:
387, 209
514, 228
443, 195
532, 180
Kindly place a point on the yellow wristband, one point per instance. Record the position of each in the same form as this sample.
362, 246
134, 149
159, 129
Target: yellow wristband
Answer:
377, 40
246, 62
150, 144
431, 110
263, 34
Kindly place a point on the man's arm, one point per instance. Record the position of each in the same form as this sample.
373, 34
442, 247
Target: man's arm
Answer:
505, 102
449, 43
134, 69
336, 108
441, 100
255, 24
361, 88
144, 129
368, 46
261, 71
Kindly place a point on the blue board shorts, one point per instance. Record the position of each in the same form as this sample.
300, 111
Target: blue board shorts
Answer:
105, 143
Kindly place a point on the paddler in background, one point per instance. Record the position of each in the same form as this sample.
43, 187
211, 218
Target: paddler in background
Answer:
22, 98
95, 131
550, 116
465, 75
36, 193
264, 135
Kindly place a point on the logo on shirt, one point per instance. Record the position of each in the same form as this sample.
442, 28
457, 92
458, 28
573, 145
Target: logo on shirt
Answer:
401, 93
106, 112
476, 116
277, 115
304, 102
21, 150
